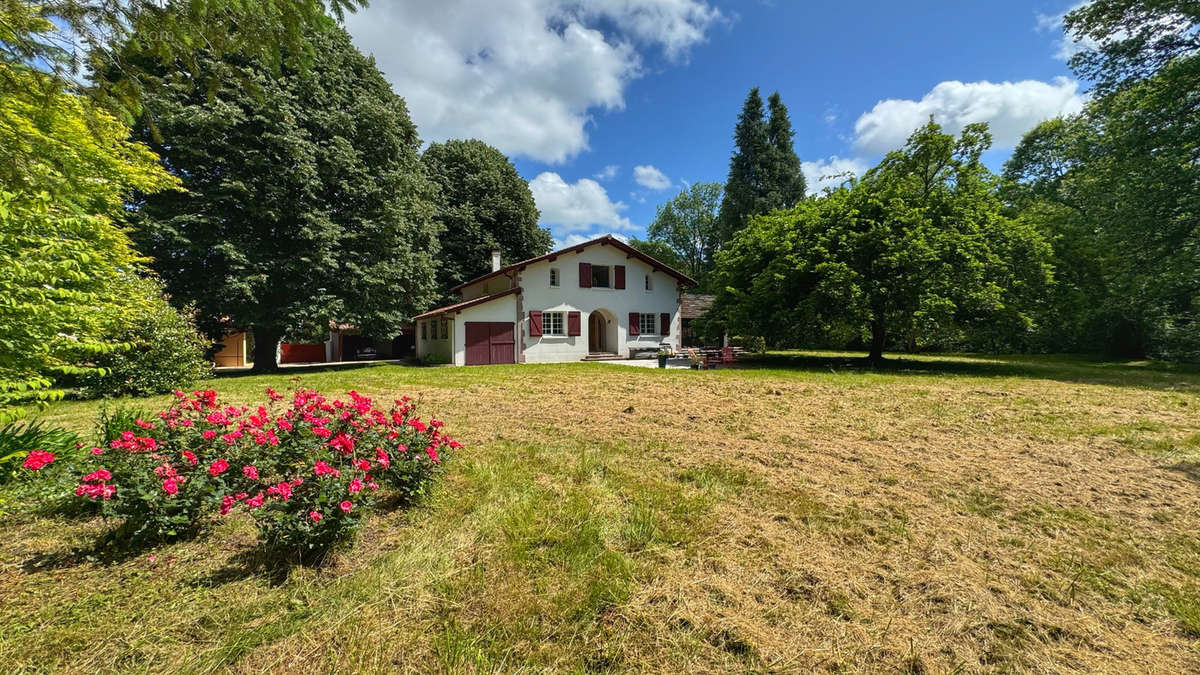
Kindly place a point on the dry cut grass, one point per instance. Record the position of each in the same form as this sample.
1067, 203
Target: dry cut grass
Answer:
945, 514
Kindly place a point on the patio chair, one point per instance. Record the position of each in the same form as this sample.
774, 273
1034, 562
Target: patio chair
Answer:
727, 355
696, 360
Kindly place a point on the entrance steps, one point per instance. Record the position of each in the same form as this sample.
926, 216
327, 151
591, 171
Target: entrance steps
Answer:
603, 356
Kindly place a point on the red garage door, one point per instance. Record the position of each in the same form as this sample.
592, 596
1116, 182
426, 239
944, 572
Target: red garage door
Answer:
490, 342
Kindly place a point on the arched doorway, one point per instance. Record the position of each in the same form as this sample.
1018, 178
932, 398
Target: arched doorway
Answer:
602, 332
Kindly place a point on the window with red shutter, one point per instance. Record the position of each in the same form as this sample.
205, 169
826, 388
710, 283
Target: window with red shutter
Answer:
535, 323
573, 327
585, 275
664, 323
619, 277
635, 327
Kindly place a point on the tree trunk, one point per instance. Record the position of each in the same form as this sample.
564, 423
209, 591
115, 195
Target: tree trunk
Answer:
266, 344
877, 339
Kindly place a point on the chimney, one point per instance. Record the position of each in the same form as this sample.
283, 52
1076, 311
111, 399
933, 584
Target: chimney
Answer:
495, 259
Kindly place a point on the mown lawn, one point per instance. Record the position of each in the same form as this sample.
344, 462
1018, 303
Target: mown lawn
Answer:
946, 513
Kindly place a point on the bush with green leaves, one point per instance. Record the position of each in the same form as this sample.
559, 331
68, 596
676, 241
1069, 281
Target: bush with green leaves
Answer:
163, 350
306, 469
18, 439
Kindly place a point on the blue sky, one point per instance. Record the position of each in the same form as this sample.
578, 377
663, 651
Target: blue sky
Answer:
608, 107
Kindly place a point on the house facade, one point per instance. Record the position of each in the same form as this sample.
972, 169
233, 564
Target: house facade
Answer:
600, 298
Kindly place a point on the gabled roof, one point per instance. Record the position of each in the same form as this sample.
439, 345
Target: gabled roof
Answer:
460, 306
606, 240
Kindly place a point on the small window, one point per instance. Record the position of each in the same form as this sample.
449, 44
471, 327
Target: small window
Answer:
554, 280
648, 323
445, 329
424, 330
552, 323
649, 283
600, 276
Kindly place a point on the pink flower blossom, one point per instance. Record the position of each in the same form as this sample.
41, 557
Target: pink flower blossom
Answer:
38, 459
322, 469
171, 486
190, 457
97, 476
97, 451
218, 467
250, 472
255, 501
208, 434
356, 486
362, 465
342, 443
382, 458
345, 506
227, 504
315, 516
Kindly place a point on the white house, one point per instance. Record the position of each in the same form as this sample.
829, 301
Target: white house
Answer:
601, 298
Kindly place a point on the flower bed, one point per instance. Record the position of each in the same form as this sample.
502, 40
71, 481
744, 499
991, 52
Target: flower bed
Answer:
306, 467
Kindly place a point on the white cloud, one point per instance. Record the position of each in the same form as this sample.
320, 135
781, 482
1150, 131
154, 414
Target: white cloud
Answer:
831, 172
648, 176
574, 207
523, 75
1009, 108
1065, 47
608, 173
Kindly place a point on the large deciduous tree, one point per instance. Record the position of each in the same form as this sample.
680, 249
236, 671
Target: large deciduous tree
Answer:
306, 200
484, 205
688, 225
1117, 187
764, 171
916, 253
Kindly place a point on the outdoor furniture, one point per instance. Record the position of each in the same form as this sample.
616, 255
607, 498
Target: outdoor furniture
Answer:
696, 360
727, 355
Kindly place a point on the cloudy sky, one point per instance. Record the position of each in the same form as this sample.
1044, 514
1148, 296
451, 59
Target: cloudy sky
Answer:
609, 107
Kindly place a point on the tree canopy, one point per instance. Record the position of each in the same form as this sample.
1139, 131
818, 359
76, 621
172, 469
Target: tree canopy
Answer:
917, 252
688, 226
483, 204
764, 171
306, 201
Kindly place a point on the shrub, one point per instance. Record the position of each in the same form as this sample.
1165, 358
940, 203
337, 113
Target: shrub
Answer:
162, 351
305, 468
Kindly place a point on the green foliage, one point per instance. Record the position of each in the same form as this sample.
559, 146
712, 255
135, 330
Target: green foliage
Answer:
306, 197
65, 36
165, 351
764, 172
659, 250
689, 227
1117, 187
484, 204
917, 253
18, 439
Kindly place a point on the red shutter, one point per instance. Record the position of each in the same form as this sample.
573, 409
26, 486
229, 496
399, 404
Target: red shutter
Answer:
664, 323
635, 327
535, 323
585, 275
619, 280
573, 324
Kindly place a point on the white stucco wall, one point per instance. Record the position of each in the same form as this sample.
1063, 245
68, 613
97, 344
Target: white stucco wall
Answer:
537, 294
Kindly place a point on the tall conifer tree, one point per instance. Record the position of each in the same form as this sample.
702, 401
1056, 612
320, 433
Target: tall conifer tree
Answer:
747, 168
785, 180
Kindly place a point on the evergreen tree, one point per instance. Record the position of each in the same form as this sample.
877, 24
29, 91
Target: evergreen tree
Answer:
764, 173
484, 205
306, 200
785, 180
747, 169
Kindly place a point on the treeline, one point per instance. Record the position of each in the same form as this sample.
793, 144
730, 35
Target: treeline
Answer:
199, 168
1087, 242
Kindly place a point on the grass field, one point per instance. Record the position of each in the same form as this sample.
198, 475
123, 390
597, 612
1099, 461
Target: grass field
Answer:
943, 514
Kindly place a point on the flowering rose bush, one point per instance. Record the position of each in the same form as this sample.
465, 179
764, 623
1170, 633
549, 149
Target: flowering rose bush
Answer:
306, 467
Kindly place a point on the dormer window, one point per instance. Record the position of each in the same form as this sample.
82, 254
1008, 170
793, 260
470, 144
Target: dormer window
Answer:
600, 276
554, 277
